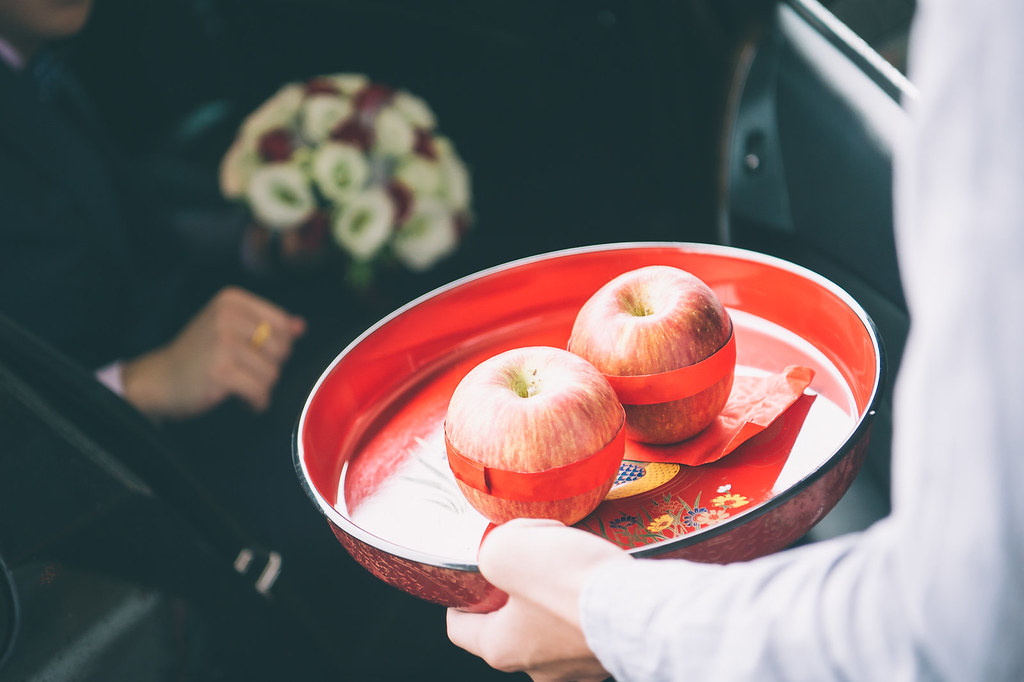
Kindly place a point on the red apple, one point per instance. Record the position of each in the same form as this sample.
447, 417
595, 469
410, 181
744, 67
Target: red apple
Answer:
534, 432
651, 321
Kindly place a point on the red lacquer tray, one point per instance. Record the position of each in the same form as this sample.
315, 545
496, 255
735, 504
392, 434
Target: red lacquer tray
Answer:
369, 446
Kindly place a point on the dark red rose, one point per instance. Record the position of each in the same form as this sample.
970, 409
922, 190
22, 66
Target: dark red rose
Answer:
424, 145
275, 145
322, 86
313, 231
372, 98
462, 223
401, 197
352, 131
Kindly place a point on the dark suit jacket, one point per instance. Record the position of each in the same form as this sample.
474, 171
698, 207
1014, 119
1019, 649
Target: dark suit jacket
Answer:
81, 265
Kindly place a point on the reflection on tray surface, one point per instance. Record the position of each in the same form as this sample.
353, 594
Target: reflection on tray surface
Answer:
418, 505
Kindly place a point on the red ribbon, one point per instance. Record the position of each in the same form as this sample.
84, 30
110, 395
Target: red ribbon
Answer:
556, 483
676, 384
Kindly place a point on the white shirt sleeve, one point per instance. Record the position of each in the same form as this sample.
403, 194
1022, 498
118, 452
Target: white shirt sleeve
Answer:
935, 591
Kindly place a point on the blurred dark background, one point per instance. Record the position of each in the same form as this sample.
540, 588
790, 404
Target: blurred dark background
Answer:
581, 123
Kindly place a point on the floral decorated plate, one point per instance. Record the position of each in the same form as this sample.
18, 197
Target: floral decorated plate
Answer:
369, 445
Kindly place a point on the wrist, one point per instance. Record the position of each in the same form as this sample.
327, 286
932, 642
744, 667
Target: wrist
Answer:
141, 384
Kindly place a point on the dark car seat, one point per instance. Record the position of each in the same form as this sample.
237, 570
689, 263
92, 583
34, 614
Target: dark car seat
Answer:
806, 175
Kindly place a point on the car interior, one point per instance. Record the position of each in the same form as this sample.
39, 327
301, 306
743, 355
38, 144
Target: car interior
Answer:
764, 125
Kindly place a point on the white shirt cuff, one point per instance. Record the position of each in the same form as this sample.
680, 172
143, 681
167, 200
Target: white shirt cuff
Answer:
110, 376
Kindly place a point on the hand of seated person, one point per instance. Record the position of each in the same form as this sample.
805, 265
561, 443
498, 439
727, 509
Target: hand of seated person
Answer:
234, 346
542, 565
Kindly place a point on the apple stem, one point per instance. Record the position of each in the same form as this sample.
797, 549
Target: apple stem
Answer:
636, 304
523, 386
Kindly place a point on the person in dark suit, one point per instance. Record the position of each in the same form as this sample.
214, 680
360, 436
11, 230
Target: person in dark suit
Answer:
86, 264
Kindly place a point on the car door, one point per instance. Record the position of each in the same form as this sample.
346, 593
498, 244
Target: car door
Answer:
813, 119
115, 564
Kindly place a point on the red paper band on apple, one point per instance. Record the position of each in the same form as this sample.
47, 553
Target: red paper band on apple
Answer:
650, 389
556, 483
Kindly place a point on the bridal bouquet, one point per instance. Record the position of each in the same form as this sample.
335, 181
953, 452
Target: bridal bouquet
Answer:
339, 164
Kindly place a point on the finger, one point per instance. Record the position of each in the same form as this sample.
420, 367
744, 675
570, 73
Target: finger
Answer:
297, 326
259, 309
254, 392
283, 324
257, 364
522, 637
250, 376
275, 340
464, 629
263, 335
257, 321
275, 347
506, 639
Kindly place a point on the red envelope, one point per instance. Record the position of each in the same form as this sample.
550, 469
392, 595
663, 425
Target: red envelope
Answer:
755, 402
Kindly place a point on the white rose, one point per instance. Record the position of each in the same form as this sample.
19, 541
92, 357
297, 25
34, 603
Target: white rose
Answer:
457, 183
348, 83
393, 133
457, 189
339, 170
420, 175
414, 109
365, 224
444, 146
426, 237
321, 114
278, 111
279, 196
239, 162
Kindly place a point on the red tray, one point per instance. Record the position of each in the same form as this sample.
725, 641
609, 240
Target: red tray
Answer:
369, 447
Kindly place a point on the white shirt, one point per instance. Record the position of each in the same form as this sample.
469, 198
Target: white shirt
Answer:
935, 591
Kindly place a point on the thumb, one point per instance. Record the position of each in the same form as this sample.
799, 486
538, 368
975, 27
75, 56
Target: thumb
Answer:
544, 562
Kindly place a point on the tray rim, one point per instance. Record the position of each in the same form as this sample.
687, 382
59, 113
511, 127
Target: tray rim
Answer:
863, 424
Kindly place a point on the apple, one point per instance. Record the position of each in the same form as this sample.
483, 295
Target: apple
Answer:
534, 432
643, 327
